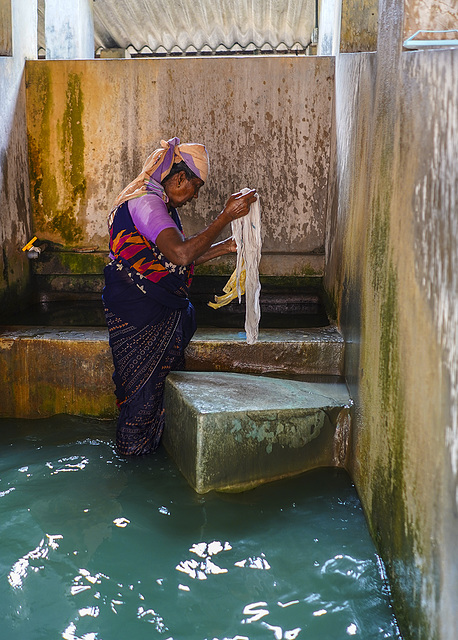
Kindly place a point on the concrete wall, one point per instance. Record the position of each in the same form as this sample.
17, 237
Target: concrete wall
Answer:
392, 270
266, 123
392, 237
429, 14
15, 225
6, 29
358, 28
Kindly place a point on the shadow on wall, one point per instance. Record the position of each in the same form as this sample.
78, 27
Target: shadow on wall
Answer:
16, 224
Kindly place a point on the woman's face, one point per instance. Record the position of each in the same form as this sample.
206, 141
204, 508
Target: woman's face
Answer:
180, 190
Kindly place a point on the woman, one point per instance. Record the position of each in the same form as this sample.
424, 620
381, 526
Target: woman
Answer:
150, 318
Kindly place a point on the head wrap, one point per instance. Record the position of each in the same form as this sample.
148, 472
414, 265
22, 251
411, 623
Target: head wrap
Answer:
159, 164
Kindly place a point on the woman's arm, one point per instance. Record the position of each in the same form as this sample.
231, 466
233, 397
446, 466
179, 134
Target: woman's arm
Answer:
219, 249
183, 251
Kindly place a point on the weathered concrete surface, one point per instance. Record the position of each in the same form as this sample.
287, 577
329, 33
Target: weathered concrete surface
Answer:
45, 370
6, 28
392, 269
358, 28
91, 125
329, 27
69, 30
59, 269
230, 432
429, 14
290, 351
60, 273
16, 226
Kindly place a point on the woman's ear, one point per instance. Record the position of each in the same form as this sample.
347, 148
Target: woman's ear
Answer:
181, 178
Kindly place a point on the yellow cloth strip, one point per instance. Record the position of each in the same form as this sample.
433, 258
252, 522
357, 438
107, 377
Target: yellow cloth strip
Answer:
230, 290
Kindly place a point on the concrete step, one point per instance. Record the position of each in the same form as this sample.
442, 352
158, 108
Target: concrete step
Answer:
48, 370
316, 351
230, 432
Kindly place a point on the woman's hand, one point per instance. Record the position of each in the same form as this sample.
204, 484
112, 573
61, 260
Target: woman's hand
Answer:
219, 249
228, 246
198, 248
238, 205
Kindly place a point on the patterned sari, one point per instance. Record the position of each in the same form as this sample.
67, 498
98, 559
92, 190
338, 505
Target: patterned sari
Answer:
150, 322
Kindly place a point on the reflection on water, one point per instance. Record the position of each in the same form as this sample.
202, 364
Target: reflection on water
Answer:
33, 561
95, 547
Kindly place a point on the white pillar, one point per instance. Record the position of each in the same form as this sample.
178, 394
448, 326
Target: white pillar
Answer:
69, 29
329, 28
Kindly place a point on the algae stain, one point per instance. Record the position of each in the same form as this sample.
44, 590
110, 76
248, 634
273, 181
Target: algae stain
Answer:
42, 180
392, 401
54, 207
379, 242
36, 181
224, 269
390, 410
72, 149
83, 263
72, 143
389, 375
390, 502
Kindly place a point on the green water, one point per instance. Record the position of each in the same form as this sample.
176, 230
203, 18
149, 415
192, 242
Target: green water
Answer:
98, 547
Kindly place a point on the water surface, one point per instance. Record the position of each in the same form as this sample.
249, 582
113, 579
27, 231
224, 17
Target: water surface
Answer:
99, 547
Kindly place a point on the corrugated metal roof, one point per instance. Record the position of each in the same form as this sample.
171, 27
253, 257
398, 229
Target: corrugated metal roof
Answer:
199, 26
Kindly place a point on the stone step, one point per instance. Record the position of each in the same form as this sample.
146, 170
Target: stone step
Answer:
230, 432
48, 370
315, 351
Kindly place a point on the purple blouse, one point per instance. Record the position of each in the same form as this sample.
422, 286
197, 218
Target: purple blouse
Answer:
150, 216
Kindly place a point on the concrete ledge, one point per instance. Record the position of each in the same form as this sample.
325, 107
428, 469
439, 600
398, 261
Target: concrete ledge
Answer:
45, 371
285, 351
230, 431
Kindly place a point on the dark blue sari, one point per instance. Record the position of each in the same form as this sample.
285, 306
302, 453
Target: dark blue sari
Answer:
150, 324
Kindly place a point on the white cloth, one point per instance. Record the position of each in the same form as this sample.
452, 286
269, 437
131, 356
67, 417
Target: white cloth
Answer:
247, 234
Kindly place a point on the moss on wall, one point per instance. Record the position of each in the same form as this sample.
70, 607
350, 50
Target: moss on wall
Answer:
92, 123
384, 470
15, 287
359, 26
83, 262
393, 250
42, 182
398, 537
72, 160
378, 242
58, 183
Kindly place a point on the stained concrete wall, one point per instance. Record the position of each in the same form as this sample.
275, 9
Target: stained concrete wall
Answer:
391, 242
429, 14
358, 28
266, 123
15, 223
392, 270
6, 29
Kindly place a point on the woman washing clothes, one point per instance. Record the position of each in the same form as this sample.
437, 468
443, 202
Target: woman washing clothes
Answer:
149, 316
